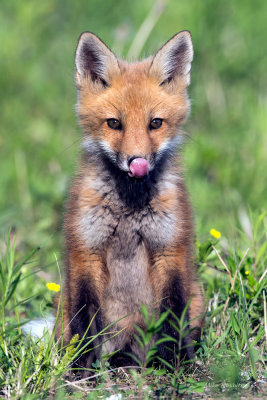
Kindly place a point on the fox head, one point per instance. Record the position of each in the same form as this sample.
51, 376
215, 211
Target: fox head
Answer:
131, 113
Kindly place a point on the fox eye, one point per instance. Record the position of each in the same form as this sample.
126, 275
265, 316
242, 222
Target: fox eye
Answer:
155, 123
114, 123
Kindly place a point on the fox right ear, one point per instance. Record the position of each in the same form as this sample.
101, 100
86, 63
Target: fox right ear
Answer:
94, 60
174, 59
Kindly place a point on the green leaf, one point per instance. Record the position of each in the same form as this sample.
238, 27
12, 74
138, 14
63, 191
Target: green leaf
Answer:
221, 338
150, 354
24, 260
12, 288
215, 312
262, 285
253, 357
234, 322
161, 319
151, 325
256, 340
141, 344
149, 370
145, 314
204, 250
141, 333
138, 362
12, 327
3, 276
166, 363
165, 339
160, 372
199, 387
24, 301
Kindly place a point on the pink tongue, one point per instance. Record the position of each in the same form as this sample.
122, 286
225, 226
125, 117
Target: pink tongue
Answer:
139, 167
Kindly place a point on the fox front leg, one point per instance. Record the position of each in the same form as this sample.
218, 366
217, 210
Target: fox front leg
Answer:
172, 278
81, 304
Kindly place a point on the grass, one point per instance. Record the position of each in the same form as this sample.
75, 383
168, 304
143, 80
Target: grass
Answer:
225, 160
229, 360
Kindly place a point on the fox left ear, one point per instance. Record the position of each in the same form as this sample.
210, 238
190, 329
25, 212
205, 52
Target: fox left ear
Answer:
174, 59
94, 60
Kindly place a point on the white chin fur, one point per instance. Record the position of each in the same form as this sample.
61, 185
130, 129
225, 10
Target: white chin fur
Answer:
89, 145
93, 147
107, 150
170, 145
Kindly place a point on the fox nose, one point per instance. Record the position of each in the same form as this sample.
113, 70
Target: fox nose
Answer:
138, 167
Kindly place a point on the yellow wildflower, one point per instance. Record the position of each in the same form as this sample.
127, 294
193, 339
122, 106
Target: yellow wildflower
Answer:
53, 286
215, 234
247, 272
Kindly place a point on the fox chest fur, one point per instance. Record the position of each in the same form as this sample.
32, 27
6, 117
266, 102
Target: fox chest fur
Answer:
127, 239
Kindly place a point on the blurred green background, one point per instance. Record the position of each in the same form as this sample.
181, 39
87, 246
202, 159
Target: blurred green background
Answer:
226, 153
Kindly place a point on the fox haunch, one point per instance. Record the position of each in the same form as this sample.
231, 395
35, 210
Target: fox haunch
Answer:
128, 225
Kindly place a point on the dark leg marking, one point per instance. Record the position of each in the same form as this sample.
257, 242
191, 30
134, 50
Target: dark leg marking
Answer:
174, 299
85, 310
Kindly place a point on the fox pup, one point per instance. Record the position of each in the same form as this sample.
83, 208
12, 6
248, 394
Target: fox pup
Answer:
128, 225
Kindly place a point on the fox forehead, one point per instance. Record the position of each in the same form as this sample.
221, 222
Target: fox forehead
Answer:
132, 92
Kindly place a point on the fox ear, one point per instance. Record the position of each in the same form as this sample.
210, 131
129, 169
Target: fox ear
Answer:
94, 60
174, 59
